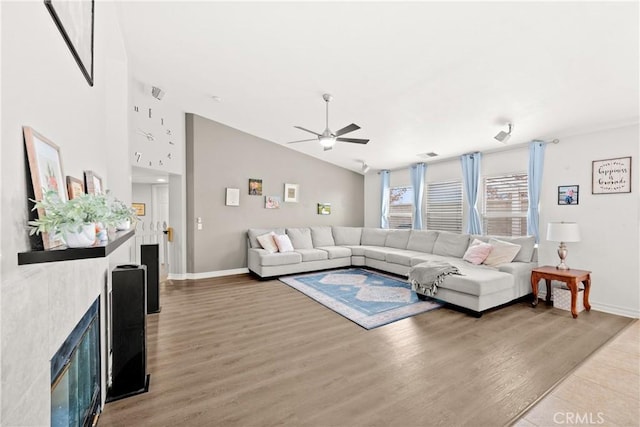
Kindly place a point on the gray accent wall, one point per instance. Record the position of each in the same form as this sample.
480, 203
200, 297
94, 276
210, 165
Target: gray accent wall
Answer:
219, 157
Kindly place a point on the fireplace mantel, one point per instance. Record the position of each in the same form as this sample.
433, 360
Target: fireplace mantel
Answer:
63, 253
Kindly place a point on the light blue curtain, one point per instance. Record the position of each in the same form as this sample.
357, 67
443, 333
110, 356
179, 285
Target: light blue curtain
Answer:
417, 181
536, 166
384, 214
471, 180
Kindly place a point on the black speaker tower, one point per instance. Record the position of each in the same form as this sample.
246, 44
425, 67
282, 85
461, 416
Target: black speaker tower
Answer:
150, 257
128, 319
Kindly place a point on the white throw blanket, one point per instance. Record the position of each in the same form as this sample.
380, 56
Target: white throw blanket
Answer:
427, 276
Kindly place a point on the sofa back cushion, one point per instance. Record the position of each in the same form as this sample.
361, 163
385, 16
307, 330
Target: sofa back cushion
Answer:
322, 236
347, 236
397, 239
527, 245
502, 252
422, 240
253, 234
451, 244
373, 236
300, 238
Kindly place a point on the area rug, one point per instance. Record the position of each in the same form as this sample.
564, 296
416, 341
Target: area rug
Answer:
367, 298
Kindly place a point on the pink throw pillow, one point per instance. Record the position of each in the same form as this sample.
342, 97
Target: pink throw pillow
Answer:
284, 242
477, 252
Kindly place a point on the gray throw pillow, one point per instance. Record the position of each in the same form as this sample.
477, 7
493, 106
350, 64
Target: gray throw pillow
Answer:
422, 240
347, 236
397, 239
451, 244
373, 236
322, 236
300, 238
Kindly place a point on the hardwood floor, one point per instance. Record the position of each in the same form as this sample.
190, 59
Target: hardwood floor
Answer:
235, 351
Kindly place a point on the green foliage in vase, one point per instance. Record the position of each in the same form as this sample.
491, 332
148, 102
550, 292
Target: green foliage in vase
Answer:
61, 215
119, 211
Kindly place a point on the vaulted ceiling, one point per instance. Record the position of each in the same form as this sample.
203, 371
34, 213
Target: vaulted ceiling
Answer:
417, 77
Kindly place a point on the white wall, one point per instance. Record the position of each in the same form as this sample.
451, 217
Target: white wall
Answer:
610, 224
42, 87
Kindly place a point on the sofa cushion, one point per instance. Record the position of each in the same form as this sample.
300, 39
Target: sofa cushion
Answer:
477, 252
344, 236
267, 259
403, 257
477, 280
397, 239
422, 240
358, 250
267, 242
312, 254
300, 238
283, 242
527, 243
253, 234
379, 253
322, 236
502, 252
373, 236
451, 244
336, 251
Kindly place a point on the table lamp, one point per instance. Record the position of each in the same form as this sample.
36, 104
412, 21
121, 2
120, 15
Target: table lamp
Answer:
563, 232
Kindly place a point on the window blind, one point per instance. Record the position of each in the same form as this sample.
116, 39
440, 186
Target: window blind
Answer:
505, 205
444, 206
400, 207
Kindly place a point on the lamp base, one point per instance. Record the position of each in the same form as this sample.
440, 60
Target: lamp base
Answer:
562, 253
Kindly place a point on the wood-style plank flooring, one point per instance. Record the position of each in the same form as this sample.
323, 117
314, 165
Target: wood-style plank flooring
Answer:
236, 351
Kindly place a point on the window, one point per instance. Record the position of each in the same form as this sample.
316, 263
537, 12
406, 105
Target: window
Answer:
400, 207
505, 205
444, 206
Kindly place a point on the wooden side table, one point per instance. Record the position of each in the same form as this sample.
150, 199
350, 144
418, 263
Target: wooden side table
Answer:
571, 277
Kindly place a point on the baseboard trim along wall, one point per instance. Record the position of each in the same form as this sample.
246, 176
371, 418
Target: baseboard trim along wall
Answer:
208, 274
605, 308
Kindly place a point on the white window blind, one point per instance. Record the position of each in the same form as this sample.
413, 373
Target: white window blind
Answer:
505, 205
400, 207
444, 206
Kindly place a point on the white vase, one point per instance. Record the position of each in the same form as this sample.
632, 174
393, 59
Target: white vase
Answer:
81, 239
124, 225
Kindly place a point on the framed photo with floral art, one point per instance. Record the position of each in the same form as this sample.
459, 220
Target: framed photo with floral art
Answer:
291, 192
75, 187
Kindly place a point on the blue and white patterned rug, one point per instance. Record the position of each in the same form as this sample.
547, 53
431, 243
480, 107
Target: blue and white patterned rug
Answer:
364, 297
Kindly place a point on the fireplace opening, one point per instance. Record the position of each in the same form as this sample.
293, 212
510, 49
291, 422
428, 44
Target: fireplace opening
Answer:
75, 374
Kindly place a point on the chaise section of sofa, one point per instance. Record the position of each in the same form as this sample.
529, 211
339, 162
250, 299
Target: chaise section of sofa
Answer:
477, 288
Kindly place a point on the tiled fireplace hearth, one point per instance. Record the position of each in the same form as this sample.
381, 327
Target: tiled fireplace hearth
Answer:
75, 373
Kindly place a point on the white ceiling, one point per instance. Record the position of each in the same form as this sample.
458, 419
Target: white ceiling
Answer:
416, 76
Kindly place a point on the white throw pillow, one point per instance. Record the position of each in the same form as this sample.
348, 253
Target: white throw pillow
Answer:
478, 252
284, 242
267, 242
502, 253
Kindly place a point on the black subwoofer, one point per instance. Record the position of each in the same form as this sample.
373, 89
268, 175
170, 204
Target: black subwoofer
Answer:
128, 320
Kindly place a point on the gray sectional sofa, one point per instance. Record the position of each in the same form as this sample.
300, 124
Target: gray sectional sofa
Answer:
476, 289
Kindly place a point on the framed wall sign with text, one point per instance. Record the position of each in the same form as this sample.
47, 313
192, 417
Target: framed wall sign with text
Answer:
611, 176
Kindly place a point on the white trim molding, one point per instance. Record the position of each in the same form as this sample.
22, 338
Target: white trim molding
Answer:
208, 274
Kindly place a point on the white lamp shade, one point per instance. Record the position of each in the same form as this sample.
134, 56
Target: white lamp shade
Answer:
563, 232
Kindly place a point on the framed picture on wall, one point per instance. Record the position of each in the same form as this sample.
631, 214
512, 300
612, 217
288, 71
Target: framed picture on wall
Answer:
139, 208
74, 19
45, 167
255, 187
568, 194
291, 192
324, 208
272, 202
232, 197
611, 176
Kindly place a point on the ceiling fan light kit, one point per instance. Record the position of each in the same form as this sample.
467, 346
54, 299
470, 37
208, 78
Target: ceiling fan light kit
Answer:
503, 136
328, 138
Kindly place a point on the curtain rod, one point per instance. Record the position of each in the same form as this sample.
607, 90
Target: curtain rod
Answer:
490, 151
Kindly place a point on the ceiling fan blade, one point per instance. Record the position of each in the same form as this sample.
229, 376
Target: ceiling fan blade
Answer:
303, 140
354, 140
307, 130
327, 148
347, 129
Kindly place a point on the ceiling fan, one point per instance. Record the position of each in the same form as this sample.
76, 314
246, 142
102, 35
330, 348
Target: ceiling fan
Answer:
328, 138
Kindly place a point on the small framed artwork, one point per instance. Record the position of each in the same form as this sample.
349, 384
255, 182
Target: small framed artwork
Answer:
255, 187
139, 208
568, 194
324, 208
92, 183
75, 187
233, 197
272, 202
45, 167
611, 176
291, 192
74, 19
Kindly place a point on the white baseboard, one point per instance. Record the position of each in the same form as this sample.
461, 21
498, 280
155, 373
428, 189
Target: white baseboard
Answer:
605, 308
208, 274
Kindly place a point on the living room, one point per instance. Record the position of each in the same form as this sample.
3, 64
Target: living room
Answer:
96, 128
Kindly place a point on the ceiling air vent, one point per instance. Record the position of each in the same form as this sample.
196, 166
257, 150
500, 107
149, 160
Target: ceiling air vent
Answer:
428, 155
